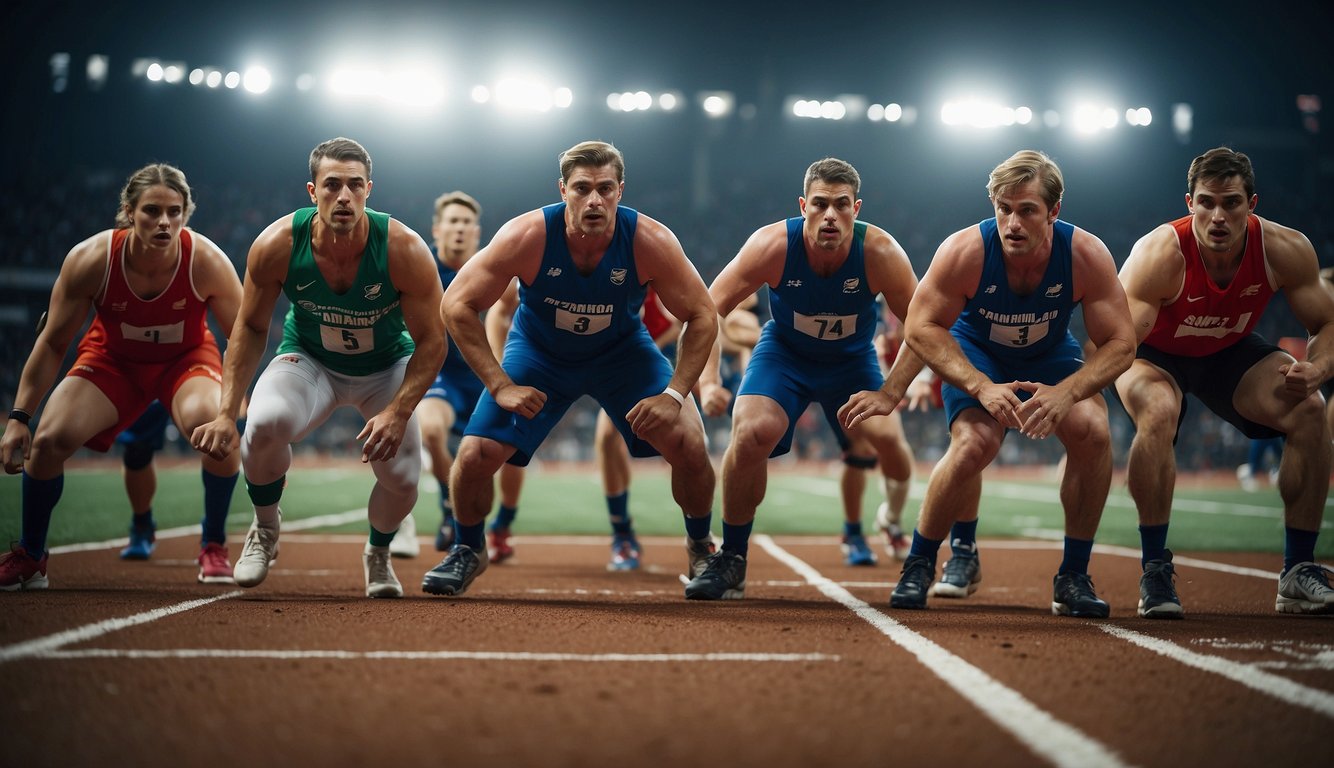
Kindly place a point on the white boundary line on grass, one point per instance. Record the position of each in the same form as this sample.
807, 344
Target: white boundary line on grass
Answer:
1265, 682
228, 653
1049, 738
305, 523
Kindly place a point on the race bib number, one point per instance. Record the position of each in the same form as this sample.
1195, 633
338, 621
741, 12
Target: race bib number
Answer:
584, 325
825, 327
154, 334
1019, 335
347, 341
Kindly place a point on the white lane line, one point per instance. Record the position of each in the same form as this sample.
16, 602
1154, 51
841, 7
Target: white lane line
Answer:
1279, 687
227, 653
44, 645
1049, 738
337, 518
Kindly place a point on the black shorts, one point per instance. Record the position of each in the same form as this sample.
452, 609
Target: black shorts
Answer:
1214, 379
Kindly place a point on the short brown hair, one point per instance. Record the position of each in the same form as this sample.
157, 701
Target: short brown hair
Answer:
1024, 166
1221, 163
151, 176
831, 170
456, 197
339, 149
591, 154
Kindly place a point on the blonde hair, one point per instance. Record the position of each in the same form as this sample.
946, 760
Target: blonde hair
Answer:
455, 198
156, 174
1022, 167
591, 154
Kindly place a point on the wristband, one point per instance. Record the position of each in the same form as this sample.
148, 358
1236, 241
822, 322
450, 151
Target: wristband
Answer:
677, 396
21, 416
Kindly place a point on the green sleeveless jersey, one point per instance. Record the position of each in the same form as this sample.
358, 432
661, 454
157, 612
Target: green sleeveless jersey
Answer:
356, 333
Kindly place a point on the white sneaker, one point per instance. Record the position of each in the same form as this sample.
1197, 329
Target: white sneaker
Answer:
257, 554
405, 542
1247, 480
1305, 589
380, 578
897, 544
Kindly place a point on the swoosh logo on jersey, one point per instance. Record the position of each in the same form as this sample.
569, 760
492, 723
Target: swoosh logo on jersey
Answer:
304, 287
1194, 298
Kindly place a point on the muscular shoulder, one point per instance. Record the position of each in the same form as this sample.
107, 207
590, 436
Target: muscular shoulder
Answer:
86, 263
1281, 241
880, 243
404, 240
651, 233
209, 264
525, 233
1088, 249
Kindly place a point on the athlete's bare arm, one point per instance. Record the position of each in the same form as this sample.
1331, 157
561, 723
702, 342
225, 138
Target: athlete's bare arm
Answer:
759, 262
660, 260
72, 296
941, 296
1152, 277
1107, 321
266, 271
1297, 271
889, 273
515, 251
500, 317
413, 273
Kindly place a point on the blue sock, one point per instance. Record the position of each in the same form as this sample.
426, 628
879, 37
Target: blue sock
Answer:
144, 522
1153, 540
963, 537
736, 538
1077, 553
472, 536
504, 517
380, 538
618, 511
924, 547
698, 527
1298, 547
217, 503
39, 500
852, 529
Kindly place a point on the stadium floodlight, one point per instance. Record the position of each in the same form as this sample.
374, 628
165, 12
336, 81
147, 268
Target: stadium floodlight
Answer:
232, 79
1183, 121
197, 76
154, 72
523, 94
1138, 116
833, 110
976, 113
213, 78
717, 104
257, 79
875, 113
1023, 115
668, 101
173, 73
480, 94
98, 66
1051, 118
1088, 119
413, 88
355, 82
562, 97
893, 112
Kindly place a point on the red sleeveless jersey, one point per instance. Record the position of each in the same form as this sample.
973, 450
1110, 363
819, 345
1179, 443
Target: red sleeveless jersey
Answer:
1205, 318
140, 330
655, 317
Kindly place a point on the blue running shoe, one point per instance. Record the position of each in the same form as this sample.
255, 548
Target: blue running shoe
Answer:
142, 543
856, 551
624, 553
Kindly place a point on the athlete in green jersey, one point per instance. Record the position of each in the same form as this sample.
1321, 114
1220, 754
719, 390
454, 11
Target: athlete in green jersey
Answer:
364, 331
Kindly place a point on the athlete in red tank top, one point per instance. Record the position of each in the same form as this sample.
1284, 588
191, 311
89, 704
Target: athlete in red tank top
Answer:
1205, 317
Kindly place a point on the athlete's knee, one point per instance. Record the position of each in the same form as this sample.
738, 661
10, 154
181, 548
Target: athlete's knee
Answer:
53, 446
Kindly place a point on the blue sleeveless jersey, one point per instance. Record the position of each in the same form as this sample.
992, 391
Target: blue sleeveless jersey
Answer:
454, 362
577, 317
823, 318
1014, 327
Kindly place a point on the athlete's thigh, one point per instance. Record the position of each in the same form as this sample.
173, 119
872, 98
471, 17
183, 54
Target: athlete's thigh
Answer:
294, 394
77, 411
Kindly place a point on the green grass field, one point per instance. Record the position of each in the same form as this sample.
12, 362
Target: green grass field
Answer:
569, 501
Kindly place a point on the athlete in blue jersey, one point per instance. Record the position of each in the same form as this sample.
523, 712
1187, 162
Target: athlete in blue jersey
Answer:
991, 317
584, 265
447, 405
824, 270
